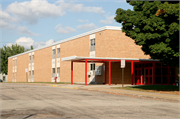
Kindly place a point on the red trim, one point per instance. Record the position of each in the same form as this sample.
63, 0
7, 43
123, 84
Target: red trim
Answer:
153, 71
132, 70
105, 73
175, 75
161, 74
109, 72
86, 72
71, 72
168, 74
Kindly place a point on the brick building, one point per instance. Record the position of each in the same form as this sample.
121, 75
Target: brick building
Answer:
91, 57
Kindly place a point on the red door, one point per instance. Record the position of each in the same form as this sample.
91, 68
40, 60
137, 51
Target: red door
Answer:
148, 75
139, 76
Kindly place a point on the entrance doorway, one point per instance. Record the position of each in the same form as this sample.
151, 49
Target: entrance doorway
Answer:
148, 75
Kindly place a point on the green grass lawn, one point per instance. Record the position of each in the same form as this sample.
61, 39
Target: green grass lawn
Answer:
152, 88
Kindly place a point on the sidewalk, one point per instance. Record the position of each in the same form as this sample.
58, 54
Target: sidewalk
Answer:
131, 93
109, 90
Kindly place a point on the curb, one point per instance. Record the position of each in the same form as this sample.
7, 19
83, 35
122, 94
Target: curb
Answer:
132, 95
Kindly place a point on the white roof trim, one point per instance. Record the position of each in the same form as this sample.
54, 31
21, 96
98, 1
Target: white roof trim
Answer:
74, 58
72, 38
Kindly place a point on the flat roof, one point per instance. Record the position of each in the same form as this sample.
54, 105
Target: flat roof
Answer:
76, 58
71, 38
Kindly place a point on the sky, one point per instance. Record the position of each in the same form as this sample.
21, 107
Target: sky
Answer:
43, 22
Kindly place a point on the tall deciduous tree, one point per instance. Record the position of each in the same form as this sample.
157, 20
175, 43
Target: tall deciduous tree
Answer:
154, 25
6, 52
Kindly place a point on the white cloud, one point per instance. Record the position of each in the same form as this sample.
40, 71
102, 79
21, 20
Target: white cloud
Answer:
33, 10
87, 26
24, 41
27, 42
40, 44
5, 20
108, 20
24, 30
6, 25
80, 20
50, 42
64, 30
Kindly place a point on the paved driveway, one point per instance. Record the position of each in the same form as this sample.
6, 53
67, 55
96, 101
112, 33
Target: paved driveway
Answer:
29, 102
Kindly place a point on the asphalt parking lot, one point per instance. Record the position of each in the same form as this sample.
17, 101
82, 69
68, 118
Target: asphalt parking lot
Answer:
41, 102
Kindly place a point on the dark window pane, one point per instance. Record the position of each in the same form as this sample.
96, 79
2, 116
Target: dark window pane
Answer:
150, 79
158, 64
147, 72
165, 65
139, 65
157, 80
146, 64
165, 71
140, 72
142, 65
150, 65
157, 71
171, 79
171, 71
135, 66
135, 72
143, 71
150, 71
165, 80
147, 80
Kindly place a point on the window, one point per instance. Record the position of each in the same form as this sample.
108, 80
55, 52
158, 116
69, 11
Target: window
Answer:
58, 53
92, 67
53, 72
54, 52
92, 47
33, 74
58, 71
29, 74
29, 59
32, 58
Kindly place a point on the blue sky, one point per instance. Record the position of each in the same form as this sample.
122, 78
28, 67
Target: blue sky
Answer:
42, 22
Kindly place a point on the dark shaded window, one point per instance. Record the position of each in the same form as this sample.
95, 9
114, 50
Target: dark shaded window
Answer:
157, 80
157, 71
158, 64
165, 71
92, 67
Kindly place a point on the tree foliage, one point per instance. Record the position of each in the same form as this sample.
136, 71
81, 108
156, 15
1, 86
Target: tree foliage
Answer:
6, 52
154, 25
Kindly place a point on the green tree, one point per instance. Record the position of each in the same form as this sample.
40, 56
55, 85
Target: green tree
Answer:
154, 25
32, 47
6, 52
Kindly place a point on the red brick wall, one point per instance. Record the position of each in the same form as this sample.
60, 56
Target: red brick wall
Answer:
43, 65
10, 69
78, 47
22, 64
114, 43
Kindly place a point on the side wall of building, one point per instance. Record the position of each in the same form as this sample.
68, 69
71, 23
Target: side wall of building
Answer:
43, 65
108, 43
114, 43
22, 64
10, 70
78, 47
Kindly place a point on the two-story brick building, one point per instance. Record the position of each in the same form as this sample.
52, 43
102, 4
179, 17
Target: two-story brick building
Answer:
91, 57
